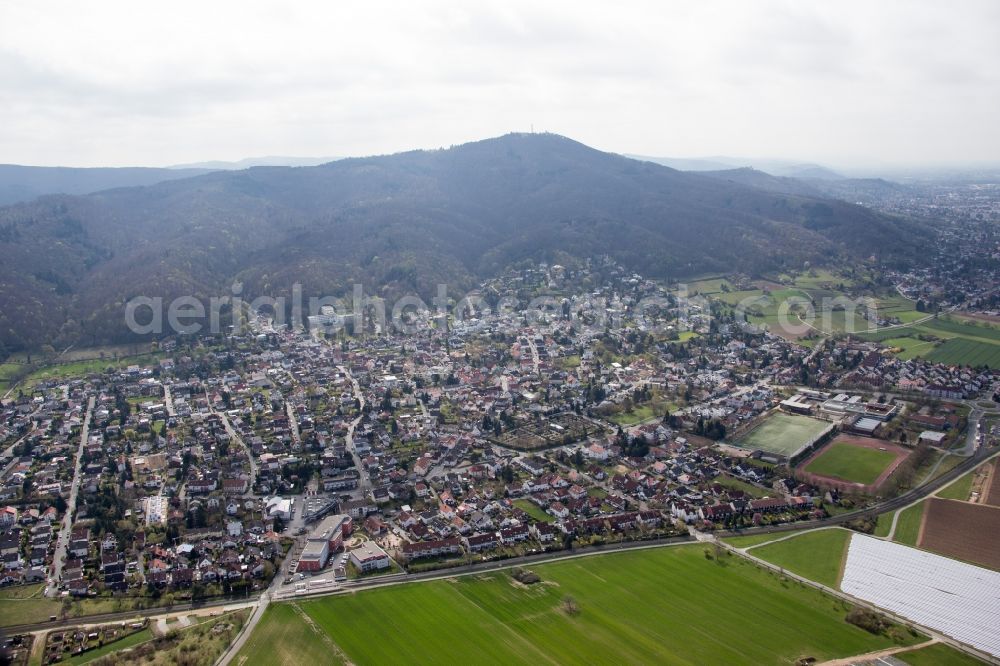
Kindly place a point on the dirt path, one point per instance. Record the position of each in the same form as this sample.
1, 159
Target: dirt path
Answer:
37, 654
923, 523
872, 656
892, 527
987, 486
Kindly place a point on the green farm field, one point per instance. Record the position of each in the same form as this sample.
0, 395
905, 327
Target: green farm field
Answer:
938, 654
826, 298
285, 636
783, 433
751, 540
666, 606
816, 555
841, 460
947, 340
960, 351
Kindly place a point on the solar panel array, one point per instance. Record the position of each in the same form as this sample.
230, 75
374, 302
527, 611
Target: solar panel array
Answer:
957, 599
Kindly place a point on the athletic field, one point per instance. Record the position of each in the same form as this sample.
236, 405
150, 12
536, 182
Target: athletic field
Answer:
783, 434
668, 605
853, 463
842, 460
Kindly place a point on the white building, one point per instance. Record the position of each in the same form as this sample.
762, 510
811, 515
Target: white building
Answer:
157, 508
369, 557
279, 507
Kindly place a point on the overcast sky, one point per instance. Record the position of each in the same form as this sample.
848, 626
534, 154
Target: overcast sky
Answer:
842, 83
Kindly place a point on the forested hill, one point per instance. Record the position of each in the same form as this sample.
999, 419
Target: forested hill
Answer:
401, 223
23, 183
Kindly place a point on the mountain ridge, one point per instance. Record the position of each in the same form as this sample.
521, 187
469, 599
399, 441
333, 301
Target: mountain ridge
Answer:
404, 223
24, 183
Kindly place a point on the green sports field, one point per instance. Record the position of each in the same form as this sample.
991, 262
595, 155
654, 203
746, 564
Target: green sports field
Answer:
857, 464
666, 606
816, 555
783, 434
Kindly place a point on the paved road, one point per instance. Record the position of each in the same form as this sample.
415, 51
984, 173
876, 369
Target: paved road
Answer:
9, 451
974, 427
534, 353
235, 436
262, 604
168, 401
364, 481
293, 422
62, 541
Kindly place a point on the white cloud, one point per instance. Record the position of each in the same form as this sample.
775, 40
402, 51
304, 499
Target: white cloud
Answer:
846, 82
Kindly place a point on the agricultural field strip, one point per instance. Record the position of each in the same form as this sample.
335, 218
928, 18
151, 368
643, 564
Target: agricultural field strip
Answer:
426, 621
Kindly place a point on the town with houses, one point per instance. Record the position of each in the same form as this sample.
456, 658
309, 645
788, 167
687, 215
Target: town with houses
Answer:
217, 466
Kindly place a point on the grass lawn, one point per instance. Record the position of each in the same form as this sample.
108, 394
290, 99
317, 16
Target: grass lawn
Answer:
666, 605
88, 367
284, 637
960, 489
751, 540
569, 362
739, 484
16, 610
884, 524
24, 611
783, 433
533, 510
121, 644
8, 371
199, 644
655, 408
909, 348
707, 286
852, 463
939, 654
901, 308
908, 525
22, 591
816, 555
635, 415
